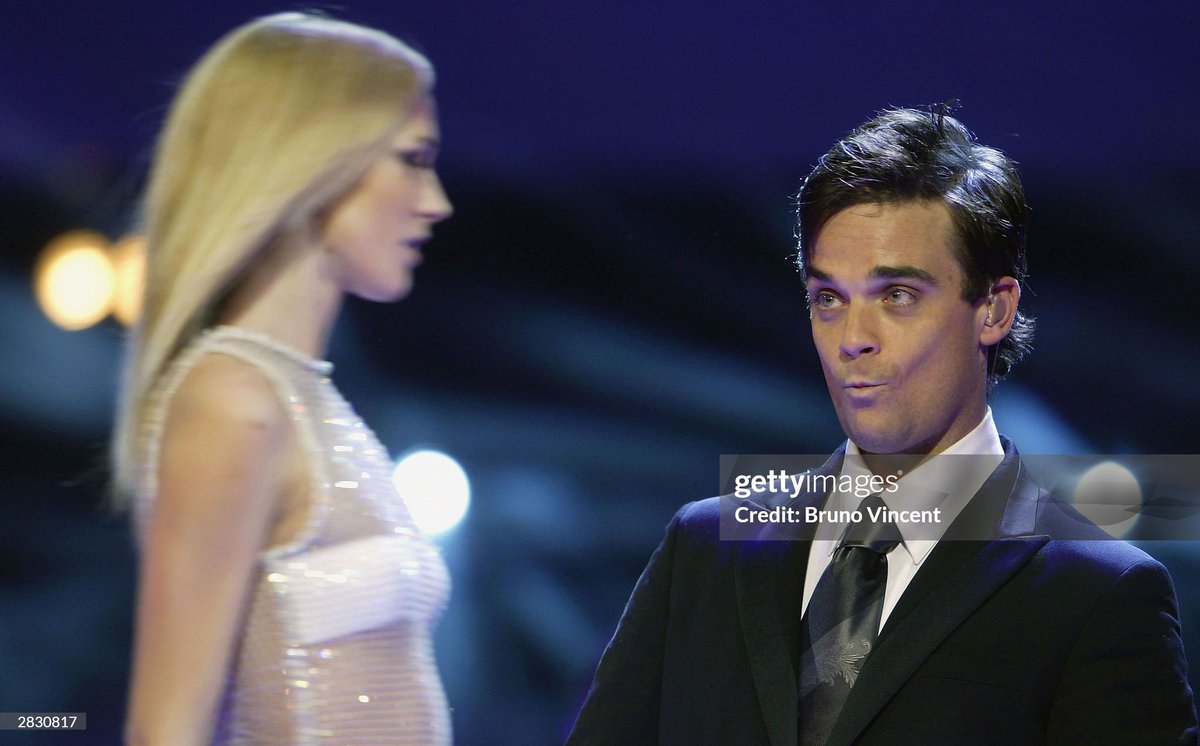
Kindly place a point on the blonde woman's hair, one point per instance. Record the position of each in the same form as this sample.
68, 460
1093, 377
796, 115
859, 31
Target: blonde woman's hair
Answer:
279, 119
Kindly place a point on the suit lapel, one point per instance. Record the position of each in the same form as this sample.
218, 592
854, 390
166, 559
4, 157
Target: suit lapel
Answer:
1008, 500
961, 573
899, 654
762, 590
769, 580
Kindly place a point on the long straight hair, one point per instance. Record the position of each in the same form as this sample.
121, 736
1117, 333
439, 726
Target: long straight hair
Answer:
278, 119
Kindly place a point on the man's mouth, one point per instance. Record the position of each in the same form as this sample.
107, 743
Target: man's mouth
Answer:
862, 384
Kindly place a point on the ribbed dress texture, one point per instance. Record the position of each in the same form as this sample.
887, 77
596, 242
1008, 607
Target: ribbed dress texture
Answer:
336, 646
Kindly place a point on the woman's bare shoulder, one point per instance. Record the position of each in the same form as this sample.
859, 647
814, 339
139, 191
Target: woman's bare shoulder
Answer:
228, 392
226, 443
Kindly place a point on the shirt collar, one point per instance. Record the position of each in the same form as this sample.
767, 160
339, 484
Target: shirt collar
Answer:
945, 483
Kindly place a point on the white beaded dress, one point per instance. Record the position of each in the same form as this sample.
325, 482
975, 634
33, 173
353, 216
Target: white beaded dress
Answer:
336, 647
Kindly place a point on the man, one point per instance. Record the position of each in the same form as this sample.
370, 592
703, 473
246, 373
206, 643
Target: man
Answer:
979, 625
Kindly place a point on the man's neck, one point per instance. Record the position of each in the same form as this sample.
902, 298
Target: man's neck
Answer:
982, 439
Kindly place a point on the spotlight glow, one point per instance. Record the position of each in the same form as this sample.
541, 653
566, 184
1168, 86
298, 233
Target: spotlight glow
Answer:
74, 280
129, 265
1108, 494
435, 489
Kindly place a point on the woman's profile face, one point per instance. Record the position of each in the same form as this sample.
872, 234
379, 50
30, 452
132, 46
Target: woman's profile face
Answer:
375, 232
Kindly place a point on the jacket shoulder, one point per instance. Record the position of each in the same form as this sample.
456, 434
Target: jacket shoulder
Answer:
698, 521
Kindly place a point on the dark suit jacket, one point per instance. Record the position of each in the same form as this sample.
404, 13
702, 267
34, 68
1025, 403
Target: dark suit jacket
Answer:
1019, 639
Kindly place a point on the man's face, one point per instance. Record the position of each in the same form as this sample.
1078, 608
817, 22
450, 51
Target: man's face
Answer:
899, 346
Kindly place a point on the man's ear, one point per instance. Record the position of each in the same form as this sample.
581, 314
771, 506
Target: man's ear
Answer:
998, 310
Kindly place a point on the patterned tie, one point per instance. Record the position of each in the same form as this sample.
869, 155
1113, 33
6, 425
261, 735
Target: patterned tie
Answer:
842, 621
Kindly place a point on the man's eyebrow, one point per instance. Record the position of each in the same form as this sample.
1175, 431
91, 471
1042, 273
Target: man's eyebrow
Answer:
882, 272
903, 272
816, 274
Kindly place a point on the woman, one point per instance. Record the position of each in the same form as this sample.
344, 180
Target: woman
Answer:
285, 595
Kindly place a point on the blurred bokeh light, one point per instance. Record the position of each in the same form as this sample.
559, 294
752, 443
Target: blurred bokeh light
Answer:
129, 267
74, 280
435, 488
1108, 494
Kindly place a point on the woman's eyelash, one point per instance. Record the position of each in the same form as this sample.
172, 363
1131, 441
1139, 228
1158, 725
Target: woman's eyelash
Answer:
417, 158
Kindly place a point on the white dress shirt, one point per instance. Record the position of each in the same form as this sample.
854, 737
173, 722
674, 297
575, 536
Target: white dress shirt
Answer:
945, 483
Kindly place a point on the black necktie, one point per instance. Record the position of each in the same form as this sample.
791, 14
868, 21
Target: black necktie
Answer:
842, 620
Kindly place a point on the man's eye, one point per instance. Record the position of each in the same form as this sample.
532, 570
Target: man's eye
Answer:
825, 300
901, 297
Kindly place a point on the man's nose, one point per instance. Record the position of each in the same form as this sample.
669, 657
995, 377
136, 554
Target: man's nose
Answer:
859, 334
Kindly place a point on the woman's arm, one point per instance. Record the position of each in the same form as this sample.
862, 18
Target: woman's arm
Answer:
224, 463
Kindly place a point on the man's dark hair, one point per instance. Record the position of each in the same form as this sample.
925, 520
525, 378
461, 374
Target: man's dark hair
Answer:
906, 155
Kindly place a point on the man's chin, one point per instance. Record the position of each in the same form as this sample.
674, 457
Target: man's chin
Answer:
878, 440
884, 449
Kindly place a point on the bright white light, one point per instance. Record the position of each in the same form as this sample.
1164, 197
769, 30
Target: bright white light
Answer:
129, 268
73, 280
1108, 494
435, 488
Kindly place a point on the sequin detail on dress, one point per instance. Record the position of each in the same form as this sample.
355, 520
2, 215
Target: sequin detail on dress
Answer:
337, 645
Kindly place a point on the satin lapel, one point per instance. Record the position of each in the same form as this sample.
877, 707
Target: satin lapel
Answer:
902, 652
761, 575
769, 580
957, 577
1008, 500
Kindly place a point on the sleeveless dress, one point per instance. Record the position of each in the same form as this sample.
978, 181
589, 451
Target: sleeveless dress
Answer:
336, 646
